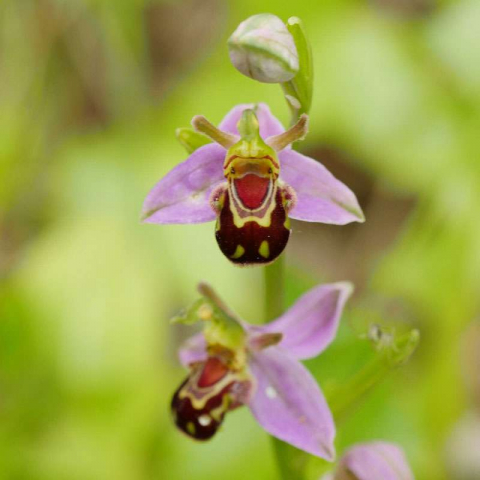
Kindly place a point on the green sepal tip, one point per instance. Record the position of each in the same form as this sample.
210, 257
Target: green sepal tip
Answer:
190, 139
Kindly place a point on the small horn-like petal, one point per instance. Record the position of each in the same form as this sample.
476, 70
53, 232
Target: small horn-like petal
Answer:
293, 134
202, 125
264, 340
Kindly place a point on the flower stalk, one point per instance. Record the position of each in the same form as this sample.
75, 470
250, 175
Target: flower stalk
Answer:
274, 280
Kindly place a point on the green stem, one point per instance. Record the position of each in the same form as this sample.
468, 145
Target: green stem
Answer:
274, 276
343, 398
292, 463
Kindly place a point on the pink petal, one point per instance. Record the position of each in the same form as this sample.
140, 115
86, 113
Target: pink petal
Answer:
289, 405
193, 350
320, 196
311, 324
269, 125
375, 461
182, 195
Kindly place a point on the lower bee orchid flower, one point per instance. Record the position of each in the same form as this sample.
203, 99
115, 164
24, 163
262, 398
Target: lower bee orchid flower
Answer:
252, 182
233, 363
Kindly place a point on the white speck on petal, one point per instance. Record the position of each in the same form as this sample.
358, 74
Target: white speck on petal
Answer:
270, 392
204, 420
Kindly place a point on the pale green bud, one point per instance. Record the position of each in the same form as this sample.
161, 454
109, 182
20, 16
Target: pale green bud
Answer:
262, 48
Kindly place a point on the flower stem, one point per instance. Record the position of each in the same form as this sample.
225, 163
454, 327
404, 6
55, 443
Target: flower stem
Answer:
274, 275
342, 399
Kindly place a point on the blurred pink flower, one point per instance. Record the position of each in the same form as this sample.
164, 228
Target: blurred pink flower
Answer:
372, 461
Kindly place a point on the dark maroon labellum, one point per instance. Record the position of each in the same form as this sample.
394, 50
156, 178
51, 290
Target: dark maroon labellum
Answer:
200, 404
198, 424
252, 243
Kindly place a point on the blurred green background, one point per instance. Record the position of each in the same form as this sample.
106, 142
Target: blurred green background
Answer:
90, 95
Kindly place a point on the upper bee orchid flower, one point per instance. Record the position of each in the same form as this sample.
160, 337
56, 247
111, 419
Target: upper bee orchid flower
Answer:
252, 182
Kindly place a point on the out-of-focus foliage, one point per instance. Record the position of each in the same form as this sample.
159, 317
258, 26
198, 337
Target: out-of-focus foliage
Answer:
91, 92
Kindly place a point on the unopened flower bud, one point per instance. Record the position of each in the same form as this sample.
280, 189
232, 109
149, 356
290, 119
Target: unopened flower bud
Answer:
262, 48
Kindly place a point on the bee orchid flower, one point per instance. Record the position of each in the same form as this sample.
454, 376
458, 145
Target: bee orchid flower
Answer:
233, 363
251, 181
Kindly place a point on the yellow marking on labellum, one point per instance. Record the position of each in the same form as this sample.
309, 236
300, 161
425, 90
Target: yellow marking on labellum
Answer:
239, 163
191, 428
217, 413
200, 396
264, 249
238, 252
